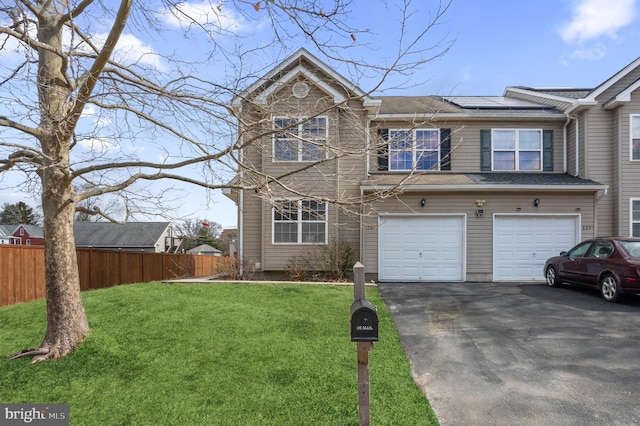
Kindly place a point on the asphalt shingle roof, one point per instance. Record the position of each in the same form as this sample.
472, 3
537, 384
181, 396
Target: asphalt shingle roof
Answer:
108, 234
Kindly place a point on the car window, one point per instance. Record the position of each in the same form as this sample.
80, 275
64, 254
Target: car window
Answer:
632, 248
580, 250
601, 249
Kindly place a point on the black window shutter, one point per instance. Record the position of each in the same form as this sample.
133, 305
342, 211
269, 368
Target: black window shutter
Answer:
485, 150
383, 150
445, 149
547, 150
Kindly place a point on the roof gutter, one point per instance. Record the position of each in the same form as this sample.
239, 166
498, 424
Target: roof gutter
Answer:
484, 187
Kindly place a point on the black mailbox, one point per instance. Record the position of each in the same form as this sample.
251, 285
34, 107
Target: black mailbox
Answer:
364, 322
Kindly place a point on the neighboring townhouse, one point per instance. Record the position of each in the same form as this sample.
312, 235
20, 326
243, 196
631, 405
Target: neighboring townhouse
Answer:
153, 237
459, 188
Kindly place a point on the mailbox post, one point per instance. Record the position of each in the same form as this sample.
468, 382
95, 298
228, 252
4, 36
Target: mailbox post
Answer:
364, 331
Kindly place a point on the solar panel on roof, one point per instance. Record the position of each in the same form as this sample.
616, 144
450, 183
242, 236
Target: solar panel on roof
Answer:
495, 102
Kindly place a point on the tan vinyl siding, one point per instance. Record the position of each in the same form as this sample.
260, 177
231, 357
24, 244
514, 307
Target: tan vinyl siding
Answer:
629, 171
479, 229
338, 179
598, 162
465, 140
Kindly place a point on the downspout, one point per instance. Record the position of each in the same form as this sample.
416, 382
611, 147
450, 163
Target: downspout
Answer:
367, 173
577, 146
241, 231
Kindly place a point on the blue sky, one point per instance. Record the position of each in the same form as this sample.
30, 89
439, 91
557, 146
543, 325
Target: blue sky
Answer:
498, 43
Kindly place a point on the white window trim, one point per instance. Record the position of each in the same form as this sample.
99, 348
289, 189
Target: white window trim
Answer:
517, 149
413, 149
301, 121
299, 223
631, 221
631, 116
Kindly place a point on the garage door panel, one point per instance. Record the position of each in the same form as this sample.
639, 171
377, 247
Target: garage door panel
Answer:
522, 244
421, 248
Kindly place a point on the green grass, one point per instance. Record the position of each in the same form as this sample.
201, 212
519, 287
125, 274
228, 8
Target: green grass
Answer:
193, 354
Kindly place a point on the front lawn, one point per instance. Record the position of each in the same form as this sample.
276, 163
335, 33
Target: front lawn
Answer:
202, 354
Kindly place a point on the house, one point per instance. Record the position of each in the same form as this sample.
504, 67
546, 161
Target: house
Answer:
457, 188
205, 249
6, 234
154, 237
29, 235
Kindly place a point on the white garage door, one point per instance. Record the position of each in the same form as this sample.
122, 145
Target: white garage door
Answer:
421, 248
522, 244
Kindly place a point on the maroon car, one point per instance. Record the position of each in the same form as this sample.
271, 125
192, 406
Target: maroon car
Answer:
610, 264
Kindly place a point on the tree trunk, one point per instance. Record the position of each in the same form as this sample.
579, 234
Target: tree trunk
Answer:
67, 324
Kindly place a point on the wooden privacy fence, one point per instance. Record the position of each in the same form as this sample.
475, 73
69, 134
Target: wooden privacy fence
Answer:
22, 269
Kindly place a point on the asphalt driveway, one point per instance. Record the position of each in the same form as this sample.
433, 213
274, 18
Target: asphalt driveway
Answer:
520, 354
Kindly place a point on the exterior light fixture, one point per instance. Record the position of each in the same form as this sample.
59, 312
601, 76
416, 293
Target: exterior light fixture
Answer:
423, 202
536, 202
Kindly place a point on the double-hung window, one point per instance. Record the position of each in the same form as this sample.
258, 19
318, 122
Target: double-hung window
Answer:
635, 217
516, 149
300, 222
417, 149
635, 137
300, 139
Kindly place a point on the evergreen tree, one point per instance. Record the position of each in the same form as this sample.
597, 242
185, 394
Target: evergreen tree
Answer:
18, 214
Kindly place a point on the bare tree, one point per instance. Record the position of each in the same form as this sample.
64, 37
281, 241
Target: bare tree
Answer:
79, 104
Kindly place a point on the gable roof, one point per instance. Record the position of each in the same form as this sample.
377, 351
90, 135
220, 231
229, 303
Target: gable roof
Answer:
32, 230
204, 249
302, 62
614, 79
5, 230
128, 235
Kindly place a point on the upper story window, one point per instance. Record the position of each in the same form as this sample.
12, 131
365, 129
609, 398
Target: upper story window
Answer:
635, 218
635, 137
300, 139
415, 149
21, 232
516, 150
300, 222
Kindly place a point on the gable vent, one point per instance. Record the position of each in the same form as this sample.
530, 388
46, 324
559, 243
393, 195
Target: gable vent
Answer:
300, 90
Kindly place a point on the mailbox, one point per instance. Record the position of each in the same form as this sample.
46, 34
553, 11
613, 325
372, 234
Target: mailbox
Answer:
364, 322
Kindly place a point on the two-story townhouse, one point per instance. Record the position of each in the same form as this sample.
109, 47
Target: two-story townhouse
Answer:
433, 188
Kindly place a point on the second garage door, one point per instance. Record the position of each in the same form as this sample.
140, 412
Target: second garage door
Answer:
522, 244
421, 248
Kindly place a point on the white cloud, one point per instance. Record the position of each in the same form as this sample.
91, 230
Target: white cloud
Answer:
98, 145
205, 14
596, 18
592, 54
131, 50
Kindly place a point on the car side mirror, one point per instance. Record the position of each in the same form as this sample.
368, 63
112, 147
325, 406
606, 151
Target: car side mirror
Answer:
563, 253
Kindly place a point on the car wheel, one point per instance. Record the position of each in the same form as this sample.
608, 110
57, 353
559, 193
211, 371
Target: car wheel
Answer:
610, 289
552, 277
